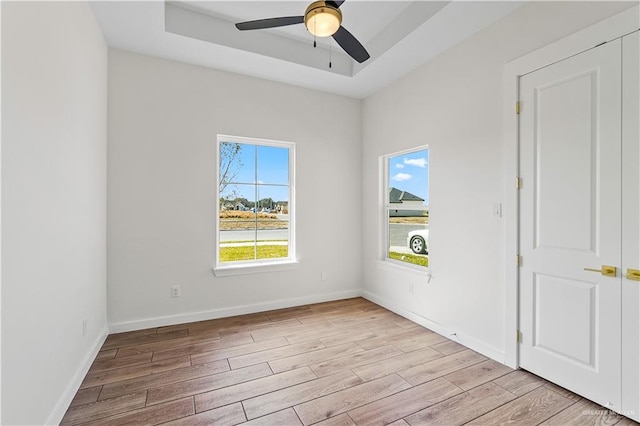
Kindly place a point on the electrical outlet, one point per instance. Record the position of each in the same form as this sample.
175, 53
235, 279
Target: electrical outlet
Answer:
411, 287
323, 276
84, 327
175, 291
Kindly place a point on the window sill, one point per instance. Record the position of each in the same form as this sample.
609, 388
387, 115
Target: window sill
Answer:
255, 268
395, 264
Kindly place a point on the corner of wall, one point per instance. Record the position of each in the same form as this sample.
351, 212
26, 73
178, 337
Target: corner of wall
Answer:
74, 384
465, 340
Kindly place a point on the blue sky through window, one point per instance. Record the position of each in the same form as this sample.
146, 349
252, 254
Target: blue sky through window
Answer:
267, 166
410, 172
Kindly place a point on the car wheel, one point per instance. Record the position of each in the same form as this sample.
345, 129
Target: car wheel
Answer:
418, 246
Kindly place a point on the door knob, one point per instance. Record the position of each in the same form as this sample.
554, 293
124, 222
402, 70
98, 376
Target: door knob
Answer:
606, 270
633, 274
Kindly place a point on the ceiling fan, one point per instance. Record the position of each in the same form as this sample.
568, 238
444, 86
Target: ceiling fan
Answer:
322, 19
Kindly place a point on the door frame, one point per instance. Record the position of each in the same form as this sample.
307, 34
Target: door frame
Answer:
607, 30
631, 227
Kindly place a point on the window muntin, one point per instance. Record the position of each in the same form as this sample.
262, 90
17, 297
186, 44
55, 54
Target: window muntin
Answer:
255, 209
407, 207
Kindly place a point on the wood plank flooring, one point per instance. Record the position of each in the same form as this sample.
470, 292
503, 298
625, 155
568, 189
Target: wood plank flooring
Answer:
342, 363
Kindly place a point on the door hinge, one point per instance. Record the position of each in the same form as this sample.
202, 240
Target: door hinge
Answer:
517, 107
518, 336
518, 183
518, 260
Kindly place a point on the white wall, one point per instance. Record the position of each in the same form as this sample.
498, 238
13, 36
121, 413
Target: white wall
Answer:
163, 121
54, 81
454, 104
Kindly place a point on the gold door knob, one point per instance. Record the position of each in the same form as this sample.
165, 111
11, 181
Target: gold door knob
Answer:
606, 270
633, 274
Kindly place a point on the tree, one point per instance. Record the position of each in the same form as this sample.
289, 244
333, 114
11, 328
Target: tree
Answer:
266, 203
230, 163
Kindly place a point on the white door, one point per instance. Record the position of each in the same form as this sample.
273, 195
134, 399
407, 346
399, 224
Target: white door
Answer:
570, 213
631, 225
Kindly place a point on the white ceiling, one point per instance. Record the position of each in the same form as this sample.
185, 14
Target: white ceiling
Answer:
399, 35
378, 13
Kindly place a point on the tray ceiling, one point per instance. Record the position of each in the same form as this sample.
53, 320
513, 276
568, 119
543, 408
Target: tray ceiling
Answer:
399, 35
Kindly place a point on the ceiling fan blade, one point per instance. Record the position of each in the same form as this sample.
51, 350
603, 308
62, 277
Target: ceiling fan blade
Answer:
351, 45
335, 3
270, 23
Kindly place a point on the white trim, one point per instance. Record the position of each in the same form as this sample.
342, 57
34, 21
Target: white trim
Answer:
74, 384
630, 405
254, 268
255, 141
395, 265
232, 268
229, 312
606, 30
609, 29
386, 207
470, 342
1, 204
383, 246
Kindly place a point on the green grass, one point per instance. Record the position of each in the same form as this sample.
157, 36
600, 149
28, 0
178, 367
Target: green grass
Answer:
410, 258
231, 254
250, 241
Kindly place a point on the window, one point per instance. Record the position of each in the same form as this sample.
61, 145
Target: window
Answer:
255, 202
407, 207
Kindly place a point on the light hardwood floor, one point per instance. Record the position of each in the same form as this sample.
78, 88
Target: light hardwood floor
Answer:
341, 363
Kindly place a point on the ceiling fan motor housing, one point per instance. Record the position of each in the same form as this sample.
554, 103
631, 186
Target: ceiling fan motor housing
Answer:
321, 19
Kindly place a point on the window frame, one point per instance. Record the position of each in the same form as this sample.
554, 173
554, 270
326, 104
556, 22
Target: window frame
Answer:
386, 207
256, 265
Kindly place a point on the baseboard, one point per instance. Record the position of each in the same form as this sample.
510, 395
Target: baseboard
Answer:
469, 342
229, 312
67, 396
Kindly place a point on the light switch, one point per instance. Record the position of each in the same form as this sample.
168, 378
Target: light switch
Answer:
497, 210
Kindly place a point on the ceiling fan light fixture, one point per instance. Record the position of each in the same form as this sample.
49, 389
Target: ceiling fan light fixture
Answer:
322, 20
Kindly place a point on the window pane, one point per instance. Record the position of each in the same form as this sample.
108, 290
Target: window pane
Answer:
273, 221
237, 163
238, 197
238, 223
409, 236
409, 179
273, 237
273, 198
273, 165
408, 207
235, 252
254, 200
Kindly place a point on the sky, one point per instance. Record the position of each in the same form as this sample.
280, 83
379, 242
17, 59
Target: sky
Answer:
407, 172
410, 172
272, 168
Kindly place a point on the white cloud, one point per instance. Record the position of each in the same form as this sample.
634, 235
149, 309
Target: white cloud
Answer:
418, 162
400, 166
399, 177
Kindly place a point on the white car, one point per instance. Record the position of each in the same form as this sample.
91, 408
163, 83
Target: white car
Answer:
417, 241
